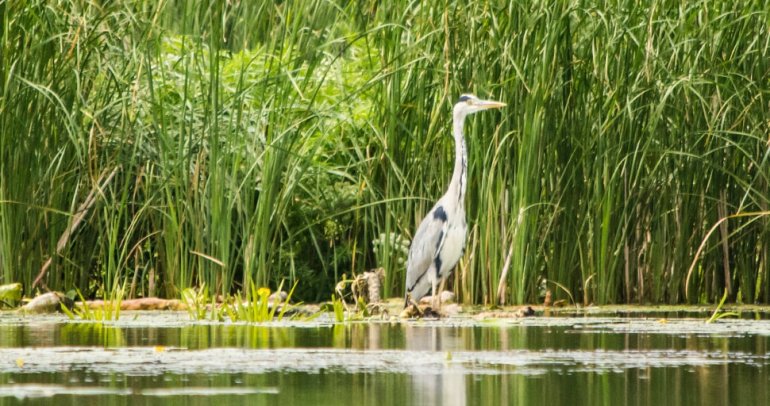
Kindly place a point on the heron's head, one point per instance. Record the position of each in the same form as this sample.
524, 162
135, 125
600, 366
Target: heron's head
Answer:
469, 104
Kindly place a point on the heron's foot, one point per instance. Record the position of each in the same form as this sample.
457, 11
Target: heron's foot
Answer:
415, 312
429, 313
445, 311
411, 311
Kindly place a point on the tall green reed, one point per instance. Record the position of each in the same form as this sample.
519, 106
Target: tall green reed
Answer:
262, 141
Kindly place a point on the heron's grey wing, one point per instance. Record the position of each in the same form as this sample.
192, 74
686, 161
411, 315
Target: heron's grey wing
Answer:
426, 244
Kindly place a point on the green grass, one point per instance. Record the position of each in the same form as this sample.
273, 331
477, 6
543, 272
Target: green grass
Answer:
170, 146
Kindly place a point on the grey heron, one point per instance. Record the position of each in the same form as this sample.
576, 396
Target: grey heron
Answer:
439, 241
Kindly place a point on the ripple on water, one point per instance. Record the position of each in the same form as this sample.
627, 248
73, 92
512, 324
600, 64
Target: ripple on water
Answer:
147, 361
32, 391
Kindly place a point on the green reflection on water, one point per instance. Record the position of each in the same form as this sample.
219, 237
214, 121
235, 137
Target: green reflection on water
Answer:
553, 384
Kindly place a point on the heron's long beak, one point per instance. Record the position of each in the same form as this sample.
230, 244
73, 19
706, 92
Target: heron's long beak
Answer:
490, 104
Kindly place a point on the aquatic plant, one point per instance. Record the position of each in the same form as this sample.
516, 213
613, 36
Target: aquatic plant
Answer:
261, 306
258, 305
106, 310
718, 313
338, 309
10, 295
198, 301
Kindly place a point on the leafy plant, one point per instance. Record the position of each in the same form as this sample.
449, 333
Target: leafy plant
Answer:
198, 302
10, 294
260, 307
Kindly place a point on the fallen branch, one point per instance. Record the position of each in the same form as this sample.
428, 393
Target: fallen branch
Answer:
77, 218
147, 303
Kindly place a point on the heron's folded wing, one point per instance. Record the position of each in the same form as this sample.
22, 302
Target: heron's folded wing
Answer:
425, 246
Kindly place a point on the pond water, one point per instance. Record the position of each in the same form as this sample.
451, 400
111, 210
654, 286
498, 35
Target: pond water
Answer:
161, 358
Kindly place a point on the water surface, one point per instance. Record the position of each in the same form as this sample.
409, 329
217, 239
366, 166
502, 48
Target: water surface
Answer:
163, 358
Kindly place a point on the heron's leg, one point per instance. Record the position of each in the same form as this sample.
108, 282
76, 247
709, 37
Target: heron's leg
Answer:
436, 303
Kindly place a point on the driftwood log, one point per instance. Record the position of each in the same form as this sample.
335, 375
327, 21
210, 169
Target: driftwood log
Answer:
146, 303
51, 302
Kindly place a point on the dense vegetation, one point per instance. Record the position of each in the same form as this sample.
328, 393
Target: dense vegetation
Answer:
168, 144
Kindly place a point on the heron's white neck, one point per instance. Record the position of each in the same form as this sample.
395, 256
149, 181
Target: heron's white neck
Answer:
458, 183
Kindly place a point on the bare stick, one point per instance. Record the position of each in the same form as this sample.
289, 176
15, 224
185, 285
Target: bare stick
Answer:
77, 218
